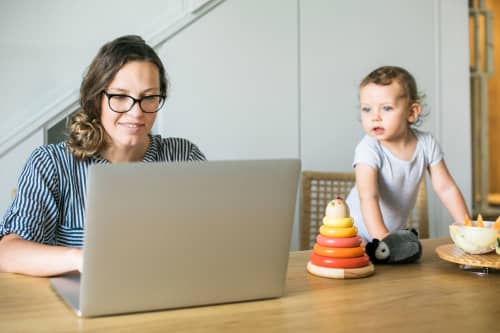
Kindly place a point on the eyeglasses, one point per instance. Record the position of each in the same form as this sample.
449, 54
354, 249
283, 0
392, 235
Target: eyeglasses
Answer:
121, 103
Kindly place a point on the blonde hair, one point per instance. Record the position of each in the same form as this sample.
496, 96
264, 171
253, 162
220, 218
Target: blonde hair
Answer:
86, 135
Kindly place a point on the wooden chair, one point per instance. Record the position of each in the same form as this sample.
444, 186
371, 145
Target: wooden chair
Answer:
319, 188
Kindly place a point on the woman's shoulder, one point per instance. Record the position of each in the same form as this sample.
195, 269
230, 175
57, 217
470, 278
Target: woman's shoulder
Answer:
170, 140
54, 148
170, 143
175, 148
50, 151
48, 160
56, 156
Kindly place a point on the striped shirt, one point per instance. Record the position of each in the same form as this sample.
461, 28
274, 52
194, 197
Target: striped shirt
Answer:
49, 206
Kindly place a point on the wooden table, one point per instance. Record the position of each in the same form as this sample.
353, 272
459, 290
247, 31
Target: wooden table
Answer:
430, 296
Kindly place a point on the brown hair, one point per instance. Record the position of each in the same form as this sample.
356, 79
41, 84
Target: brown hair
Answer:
386, 75
86, 134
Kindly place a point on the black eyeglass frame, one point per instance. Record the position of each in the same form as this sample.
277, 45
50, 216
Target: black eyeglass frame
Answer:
136, 100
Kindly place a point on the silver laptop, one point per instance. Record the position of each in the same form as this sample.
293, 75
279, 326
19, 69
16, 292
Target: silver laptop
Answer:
171, 235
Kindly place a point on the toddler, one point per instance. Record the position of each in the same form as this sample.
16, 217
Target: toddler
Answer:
390, 161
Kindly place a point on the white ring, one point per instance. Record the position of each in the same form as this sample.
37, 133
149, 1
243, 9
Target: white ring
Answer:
341, 273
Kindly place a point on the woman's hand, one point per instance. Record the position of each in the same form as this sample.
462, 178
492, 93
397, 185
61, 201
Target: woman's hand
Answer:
76, 256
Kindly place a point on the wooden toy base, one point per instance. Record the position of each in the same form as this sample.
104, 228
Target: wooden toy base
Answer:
341, 273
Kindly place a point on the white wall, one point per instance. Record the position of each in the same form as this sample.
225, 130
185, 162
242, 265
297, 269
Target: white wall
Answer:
47, 46
452, 117
341, 42
234, 81
254, 80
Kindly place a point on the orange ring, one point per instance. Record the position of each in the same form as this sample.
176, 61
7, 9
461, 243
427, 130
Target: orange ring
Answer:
339, 252
338, 232
338, 241
340, 262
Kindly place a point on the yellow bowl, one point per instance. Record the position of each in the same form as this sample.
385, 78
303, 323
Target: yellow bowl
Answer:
474, 240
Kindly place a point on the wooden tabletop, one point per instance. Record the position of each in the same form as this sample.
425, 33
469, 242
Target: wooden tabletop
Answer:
430, 296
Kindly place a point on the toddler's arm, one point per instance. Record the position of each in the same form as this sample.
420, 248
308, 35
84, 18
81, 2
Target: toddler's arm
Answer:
401, 246
366, 181
448, 192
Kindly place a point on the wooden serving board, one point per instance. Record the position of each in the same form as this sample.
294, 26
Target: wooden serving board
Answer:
450, 252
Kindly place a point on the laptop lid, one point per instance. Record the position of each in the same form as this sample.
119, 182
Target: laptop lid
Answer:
170, 235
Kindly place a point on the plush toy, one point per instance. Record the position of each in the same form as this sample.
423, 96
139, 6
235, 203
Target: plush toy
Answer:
400, 247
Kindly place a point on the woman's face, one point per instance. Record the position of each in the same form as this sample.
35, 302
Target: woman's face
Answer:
130, 129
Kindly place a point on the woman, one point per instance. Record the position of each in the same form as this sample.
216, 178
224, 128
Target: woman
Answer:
42, 231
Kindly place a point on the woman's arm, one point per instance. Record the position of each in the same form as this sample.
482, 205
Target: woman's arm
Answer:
26, 257
366, 182
448, 192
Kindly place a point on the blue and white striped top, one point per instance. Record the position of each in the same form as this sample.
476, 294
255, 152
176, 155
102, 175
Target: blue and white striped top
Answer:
49, 206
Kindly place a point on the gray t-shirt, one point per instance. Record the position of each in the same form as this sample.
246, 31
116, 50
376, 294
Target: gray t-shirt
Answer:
398, 180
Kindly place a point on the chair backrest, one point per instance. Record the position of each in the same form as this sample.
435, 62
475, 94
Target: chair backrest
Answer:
319, 188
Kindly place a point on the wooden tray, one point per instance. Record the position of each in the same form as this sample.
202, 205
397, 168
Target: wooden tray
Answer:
450, 252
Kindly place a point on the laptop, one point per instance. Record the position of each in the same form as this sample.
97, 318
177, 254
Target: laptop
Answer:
173, 235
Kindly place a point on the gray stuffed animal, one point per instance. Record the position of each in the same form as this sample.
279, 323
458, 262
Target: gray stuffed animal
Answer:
399, 247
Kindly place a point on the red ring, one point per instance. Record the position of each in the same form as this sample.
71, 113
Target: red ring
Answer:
340, 262
338, 241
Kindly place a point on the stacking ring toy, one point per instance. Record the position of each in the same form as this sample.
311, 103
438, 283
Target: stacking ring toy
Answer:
338, 232
340, 262
338, 242
339, 252
343, 222
340, 273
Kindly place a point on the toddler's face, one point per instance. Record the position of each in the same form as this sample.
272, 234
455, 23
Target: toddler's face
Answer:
385, 112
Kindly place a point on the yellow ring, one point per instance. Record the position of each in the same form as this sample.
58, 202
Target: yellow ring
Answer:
343, 222
338, 232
